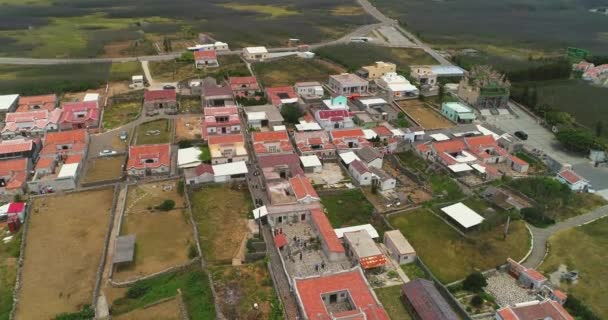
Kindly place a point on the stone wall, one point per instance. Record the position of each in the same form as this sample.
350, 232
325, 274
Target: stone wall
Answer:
20, 261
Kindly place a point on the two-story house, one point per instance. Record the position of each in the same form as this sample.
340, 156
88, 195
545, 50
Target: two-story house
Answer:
79, 115
314, 143
227, 148
348, 84
244, 86
157, 101
220, 121
349, 139
334, 119
31, 123
271, 142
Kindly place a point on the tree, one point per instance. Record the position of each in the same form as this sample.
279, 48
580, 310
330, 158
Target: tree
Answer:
291, 112
167, 205
578, 140
475, 282
186, 57
477, 301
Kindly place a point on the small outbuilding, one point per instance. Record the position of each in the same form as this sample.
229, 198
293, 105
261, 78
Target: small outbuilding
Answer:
400, 249
463, 215
124, 252
311, 164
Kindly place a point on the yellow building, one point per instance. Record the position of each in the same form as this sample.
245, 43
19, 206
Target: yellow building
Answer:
378, 70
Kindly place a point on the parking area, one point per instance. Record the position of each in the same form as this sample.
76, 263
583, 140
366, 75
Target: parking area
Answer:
107, 141
394, 37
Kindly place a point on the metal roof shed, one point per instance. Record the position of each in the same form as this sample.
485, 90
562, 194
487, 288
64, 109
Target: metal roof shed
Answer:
125, 249
463, 215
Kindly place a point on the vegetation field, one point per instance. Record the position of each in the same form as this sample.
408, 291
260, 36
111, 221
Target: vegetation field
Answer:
64, 247
239, 287
9, 253
122, 110
583, 249
350, 208
449, 255
220, 213
158, 131
390, 297
163, 237
424, 115
548, 24
43, 79
193, 283
164, 311
124, 71
104, 168
174, 70
288, 71
353, 56
69, 28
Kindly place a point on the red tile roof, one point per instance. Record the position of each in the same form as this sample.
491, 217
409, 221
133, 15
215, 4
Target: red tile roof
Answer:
449, 146
62, 137
302, 187
326, 230
346, 133
329, 114
383, 131
373, 261
12, 165
226, 139
422, 147
202, 55
270, 136
547, 309
45, 163
138, 155
560, 294
274, 92
518, 160
17, 181
280, 240
14, 146
166, 94
74, 158
220, 111
242, 80
46, 102
480, 141
203, 168
534, 275
570, 176
310, 291
90, 108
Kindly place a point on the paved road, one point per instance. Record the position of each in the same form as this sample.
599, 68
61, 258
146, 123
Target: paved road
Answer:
539, 249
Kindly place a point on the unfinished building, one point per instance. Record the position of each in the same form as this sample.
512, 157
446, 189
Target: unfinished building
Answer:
485, 88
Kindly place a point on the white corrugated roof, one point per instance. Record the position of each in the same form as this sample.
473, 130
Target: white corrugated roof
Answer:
460, 167
367, 227
6, 101
441, 70
189, 157
348, 157
137, 77
91, 97
256, 50
479, 168
310, 161
372, 101
463, 215
307, 126
397, 132
230, 169
260, 212
279, 128
256, 115
68, 170
439, 137
402, 87
369, 134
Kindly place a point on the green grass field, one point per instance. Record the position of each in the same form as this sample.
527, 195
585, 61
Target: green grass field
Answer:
231, 65
449, 255
288, 71
124, 71
120, 113
355, 55
145, 134
350, 208
583, 249
413, 161
9, 253
193, 282
390, 297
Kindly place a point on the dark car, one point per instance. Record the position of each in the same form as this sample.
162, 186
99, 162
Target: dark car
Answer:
168, 87
521, 135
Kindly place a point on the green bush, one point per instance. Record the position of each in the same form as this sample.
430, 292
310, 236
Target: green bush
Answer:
86, 313
579, 310
291, 112
475, 282
139, 289
167, 205
536, 217
192, 251
477, 301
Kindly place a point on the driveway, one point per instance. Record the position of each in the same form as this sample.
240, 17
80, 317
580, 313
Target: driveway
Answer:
538, 136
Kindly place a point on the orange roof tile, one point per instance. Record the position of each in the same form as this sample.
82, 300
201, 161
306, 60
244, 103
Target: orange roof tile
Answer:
138, 155
346, 133
326, 230
45, 163
270, 136
70, 136
382, 131
302, 187
225, 139
13, 165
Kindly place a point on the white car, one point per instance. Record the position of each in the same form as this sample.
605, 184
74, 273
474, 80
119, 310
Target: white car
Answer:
107, 152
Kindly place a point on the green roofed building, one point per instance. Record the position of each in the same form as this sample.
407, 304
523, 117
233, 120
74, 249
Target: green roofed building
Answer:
485, 88
458, 112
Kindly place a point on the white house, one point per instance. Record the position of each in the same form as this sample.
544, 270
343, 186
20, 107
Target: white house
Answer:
188, 157
572, 180
360, 173
8, 103
397, 86
382, 179
370, 156
255, 53
309, 90
311, 163
399, 248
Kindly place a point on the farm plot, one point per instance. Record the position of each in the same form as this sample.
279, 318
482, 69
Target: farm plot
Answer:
64, 246
349, 208
122, 111
422, 114
9, 254
239, 287
153, 132
221, 213
163, 234
288, 71
449, 255
104, 168
188, 128
164, 311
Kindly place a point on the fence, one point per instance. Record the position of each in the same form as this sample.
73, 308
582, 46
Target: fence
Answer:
20, 261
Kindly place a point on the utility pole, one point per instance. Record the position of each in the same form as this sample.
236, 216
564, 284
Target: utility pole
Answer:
507, 227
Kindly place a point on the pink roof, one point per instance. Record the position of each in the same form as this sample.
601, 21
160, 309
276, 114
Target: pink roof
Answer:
346, 133
225, 139
165, 94
46, 102
40, 119
570, 176
14, 146
70, 110
302, 187
270, 136
328, 114
310, 291
203, 168
160, 153
16, 207
326, 230
204, 55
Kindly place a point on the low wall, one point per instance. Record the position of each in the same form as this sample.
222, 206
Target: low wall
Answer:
20, 261
156, 274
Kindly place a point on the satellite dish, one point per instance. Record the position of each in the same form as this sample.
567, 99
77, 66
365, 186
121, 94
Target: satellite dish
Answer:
554, 129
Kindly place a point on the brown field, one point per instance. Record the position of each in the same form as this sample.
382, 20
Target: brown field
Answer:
105, 168
187, 128
168, 310
422, 114
163, 238
64, 246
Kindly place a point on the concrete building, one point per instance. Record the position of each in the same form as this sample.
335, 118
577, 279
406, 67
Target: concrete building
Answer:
244, 86
220, 121
382, 179
484, 88
160, 101
360, 173
424, 75
377, 70
311, 164
572, 180
397, 86
8, 103
362, 249
348, 84
255, 53
265, 116
457, 112
370, 156
309, 90
216, 95
400, 249
227, 148
150, 159
337, 102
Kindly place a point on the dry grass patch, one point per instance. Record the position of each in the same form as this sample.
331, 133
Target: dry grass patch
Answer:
163, 238
353, 10
221, 215
421, 113
105, 168
64, 246
188, 128
168, 310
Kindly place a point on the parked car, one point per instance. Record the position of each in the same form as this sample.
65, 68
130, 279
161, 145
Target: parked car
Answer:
521, 135
168, 86
123, 135
106, 152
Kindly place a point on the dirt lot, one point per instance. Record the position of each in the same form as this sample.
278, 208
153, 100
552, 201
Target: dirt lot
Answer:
64, 245
106, 168
213, 206
163, 238
188, 128
422, 114
153, 132
165, 311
